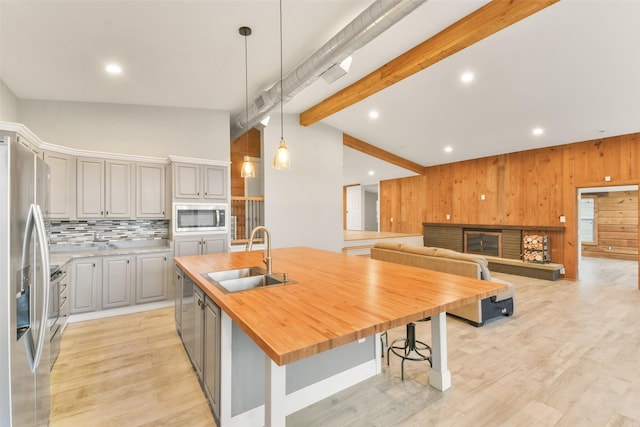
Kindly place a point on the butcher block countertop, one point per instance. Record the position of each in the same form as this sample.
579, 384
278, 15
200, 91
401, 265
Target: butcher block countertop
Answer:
336, 299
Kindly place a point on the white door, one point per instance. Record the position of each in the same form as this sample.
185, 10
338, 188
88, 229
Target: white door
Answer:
354, 208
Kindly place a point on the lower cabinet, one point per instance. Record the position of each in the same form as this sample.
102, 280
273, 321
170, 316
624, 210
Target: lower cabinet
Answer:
201, 337
151, 277
84, 285
116, 281
178, 285
211, 355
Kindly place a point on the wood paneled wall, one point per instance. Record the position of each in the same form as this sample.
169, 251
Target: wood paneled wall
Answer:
239, 149
616, 225
532, 187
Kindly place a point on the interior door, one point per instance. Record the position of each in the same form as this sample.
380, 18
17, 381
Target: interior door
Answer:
354, 207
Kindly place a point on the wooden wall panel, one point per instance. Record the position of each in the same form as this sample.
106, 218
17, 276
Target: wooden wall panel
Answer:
238, 151
533, 187
616, 223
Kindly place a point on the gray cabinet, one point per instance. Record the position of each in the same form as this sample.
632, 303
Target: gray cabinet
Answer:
198, 330
199, 182
116, 281
211, 355
151, 277
215, 182
150, 191
200, 244
84, 286
62, 185
201, 338
103, 188
178, 280
188, 314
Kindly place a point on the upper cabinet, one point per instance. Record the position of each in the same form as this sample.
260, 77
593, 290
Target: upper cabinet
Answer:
62, 185
104, 188
150, 190
199, 182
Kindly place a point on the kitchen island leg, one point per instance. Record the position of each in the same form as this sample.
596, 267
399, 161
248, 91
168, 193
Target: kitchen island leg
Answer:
275, 390
439, 376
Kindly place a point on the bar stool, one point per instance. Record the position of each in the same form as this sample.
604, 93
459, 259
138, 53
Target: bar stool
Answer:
409, 348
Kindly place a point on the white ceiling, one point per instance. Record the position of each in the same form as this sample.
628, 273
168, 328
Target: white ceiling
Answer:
573, 69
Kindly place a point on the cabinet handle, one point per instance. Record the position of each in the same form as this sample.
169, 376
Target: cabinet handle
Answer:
94, 265
165, 258
205, 193
127, 261
101, 212
162, 212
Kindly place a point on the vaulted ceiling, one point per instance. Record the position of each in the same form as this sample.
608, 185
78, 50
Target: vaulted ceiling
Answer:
572, 69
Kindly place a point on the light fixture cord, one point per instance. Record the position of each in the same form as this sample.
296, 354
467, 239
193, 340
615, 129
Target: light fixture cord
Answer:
246, 90
281, 88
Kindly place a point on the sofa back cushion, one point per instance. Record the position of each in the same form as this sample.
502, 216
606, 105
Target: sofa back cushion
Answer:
442, 264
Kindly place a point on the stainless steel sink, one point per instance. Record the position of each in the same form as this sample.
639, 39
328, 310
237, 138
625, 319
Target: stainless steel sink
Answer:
218, 276
243, 279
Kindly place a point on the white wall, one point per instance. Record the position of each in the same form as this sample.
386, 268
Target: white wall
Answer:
303, 205
129, 129
8, 104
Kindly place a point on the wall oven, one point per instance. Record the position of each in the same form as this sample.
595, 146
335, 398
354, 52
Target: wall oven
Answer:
200, 217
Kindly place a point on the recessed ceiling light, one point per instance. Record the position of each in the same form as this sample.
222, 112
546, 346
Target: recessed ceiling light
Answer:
467, 77
371, 173
537, 131
448, 149
113, 69
373, 114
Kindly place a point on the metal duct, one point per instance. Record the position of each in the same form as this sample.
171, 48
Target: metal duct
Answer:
372, 22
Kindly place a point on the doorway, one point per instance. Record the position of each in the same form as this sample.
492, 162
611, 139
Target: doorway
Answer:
362, 208
608, 228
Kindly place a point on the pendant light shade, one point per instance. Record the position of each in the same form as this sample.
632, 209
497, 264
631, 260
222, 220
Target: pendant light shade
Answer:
248, 169
281, 159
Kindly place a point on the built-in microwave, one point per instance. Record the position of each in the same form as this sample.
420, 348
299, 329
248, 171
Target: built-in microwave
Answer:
200, 217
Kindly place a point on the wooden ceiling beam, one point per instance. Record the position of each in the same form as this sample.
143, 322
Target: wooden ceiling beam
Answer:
487, 20
357, 144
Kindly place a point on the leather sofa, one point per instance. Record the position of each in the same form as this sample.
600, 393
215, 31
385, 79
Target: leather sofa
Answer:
448, 261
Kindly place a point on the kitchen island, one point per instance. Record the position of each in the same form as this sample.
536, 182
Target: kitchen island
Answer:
335, 300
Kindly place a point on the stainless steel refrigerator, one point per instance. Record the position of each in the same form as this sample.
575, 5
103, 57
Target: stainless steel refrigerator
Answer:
24, 277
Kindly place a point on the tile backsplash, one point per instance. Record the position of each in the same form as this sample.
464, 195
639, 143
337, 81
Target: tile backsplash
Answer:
83, 232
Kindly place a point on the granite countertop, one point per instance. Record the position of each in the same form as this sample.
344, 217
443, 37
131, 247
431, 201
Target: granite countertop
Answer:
61, 254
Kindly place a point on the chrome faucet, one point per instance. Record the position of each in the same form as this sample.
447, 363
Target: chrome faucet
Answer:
267, 237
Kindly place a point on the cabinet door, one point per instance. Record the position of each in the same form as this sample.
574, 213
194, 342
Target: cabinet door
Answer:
198, 330
211, 355
62, 185
188, 314
177, 282
116, 281
151, 277
151, 192
117, 189
90, 188
186, 181
214, 244
187, 245
84, 286
215, 182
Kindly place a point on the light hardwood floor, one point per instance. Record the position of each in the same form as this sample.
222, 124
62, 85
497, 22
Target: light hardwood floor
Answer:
570, 356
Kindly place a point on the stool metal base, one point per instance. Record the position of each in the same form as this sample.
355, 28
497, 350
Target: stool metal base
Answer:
409, 348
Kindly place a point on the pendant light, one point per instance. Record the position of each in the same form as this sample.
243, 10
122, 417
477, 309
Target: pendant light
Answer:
281, 159
248, 169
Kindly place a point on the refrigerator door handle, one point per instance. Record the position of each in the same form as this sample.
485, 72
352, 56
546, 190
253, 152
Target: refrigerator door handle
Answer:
44, 258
